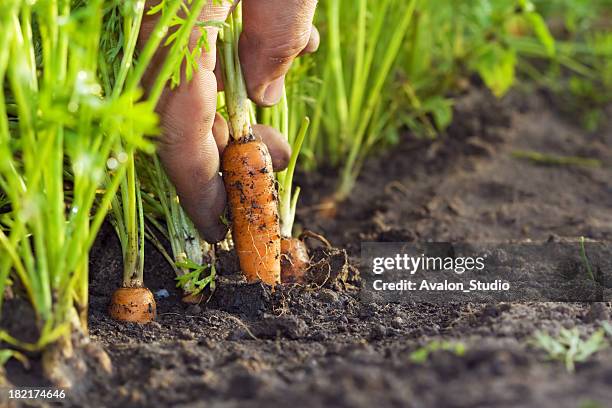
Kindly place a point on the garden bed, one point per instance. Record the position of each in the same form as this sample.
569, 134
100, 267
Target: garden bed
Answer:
301, 347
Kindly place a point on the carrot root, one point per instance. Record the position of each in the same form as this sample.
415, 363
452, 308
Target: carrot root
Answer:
314, 235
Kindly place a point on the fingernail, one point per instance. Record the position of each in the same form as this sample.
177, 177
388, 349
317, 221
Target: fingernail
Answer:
273, 92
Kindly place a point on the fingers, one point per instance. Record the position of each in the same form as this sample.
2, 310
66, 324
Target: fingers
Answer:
188, 149
277, 145
274, 33
190, 154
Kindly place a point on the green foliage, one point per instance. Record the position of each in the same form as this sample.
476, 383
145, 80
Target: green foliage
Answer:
62, 130
496, 68
164, 213
193, 282
607, 326
422, 354
449, 41
375, 81
7, 354
580, 73
569, 347
590, 404
353, 106
71, 116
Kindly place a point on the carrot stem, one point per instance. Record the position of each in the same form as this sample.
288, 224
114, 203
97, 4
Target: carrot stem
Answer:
287, 199
237, 101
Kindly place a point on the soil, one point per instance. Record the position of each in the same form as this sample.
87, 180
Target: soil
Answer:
295, 346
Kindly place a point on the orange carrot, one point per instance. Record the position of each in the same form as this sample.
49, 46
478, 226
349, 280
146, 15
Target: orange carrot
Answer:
247, 172
133, 305
251, 190
295, 260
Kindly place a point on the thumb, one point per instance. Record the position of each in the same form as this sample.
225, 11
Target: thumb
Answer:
275, 32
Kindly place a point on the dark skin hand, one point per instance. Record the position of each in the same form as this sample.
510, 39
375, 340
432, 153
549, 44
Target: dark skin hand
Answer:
275, 32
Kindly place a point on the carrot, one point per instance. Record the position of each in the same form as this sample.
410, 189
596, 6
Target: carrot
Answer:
295, 260
250, 185
135, 304
247, 172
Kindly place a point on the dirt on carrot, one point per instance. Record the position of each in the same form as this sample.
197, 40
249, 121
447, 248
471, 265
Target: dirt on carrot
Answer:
253, 204
133, 305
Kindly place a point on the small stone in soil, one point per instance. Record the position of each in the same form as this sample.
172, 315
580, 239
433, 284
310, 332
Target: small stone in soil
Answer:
367, 311
162, 293
397, 322
328, 296
186, 334
284, 326
238, 334
378, 332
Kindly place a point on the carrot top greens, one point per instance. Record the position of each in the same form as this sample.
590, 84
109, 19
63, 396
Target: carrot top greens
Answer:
72, 114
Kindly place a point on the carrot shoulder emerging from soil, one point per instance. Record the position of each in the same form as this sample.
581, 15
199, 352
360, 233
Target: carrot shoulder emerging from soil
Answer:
253, 203
133, 305
294, 260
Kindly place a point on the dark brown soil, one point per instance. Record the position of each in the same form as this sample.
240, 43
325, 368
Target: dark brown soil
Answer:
305, 348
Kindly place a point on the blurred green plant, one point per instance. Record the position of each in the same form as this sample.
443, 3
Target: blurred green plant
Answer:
580, 73
373, 81
450, 41
585, 260
555, 160
354, 104
569, 347
607, 326
421, 355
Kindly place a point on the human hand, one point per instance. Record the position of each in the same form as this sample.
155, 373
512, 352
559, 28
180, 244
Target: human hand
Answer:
274, 33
